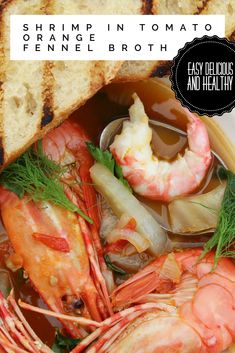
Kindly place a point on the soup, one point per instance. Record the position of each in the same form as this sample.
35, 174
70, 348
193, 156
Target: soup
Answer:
107, 105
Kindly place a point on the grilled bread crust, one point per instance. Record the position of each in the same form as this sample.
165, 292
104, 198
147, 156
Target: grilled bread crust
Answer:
140, 70
36, 96
201, 7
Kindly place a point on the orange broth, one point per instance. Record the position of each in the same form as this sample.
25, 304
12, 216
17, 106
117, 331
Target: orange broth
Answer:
93, 117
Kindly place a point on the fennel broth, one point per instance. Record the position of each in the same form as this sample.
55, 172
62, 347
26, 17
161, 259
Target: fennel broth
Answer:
160, 104
110, 103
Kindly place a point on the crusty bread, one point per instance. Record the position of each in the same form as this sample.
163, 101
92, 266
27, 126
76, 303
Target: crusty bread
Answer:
225, 7
138, 70
176, 7
204, 7
37, 96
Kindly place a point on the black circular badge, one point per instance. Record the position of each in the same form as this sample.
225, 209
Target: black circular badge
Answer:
203, 75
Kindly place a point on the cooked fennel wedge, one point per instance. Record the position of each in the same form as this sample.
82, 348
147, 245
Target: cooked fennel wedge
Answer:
122, 202
196, 213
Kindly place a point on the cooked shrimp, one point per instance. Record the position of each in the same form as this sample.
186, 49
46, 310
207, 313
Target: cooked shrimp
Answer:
59, 250
154, 178
50, 243
67, 145
181, 306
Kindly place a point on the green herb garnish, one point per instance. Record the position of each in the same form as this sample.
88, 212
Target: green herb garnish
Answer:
8, 291
106, 158
103, 157
113, 267
38, 176
224, 237
64, 343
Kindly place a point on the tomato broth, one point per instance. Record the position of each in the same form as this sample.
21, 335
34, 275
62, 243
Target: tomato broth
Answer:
108, 104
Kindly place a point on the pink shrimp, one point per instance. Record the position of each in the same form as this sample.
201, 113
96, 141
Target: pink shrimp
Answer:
67, 145
60, 251
158, 179
175, 305
203, 319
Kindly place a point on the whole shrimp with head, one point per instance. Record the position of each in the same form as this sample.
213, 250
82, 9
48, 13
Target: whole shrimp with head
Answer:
176, 304
154, 178
57, 247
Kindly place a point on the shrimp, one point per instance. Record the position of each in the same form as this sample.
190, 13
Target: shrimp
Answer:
60, 251
180, 306
17, 336
67, 145
158, 179
177, 304
204, 317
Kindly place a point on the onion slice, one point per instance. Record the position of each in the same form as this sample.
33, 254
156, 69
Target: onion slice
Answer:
196, 213
123, 202
133, 237
126, 230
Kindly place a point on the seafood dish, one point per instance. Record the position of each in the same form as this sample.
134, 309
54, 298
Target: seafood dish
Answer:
118, 231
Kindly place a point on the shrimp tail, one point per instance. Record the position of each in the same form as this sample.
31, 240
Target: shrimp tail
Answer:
155, 178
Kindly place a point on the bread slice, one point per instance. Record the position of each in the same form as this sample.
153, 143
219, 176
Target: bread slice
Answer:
176, 7
37, 96
139, 70
225, 7
202, 7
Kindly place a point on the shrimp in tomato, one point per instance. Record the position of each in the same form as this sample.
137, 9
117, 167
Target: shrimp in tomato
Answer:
159, 179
